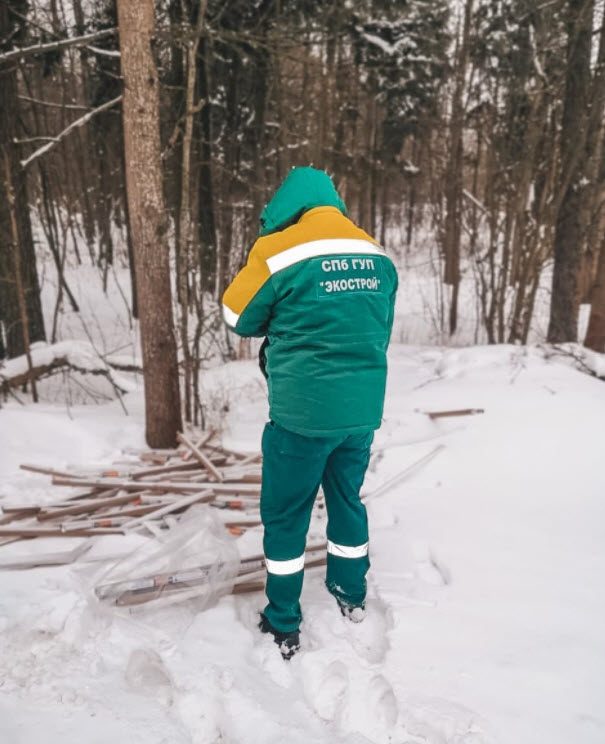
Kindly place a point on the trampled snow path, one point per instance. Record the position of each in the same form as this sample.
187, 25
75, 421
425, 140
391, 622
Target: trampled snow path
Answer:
486, 611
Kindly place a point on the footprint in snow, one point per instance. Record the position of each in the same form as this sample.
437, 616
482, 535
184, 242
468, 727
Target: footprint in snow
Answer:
429, 567
370, 637
325, 628
382, 701
438, 721
326, 688
354, 701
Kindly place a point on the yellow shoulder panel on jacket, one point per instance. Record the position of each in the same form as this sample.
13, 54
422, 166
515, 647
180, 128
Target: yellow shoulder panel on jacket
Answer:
320, 223
247, 283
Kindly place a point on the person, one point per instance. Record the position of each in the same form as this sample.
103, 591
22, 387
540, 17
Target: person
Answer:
322, 291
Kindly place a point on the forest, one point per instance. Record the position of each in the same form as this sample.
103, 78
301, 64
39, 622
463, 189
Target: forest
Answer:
467, 135
302, 354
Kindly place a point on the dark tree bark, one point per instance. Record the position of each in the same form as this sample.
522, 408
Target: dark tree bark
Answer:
148, 221
454, 174
569, 230
17, 269
205, 179
595, 335
10, 315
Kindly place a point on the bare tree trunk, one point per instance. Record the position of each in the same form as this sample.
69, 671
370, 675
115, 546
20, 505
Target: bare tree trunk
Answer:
205, 176
10, 315
569, 231
84, 145
595, 335
185, 215
18, 277
454, 183
148, 221
129, 246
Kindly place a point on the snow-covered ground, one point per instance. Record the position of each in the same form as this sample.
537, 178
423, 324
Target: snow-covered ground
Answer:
486, 612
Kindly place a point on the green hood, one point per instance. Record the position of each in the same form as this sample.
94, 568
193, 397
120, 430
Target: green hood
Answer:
303, 189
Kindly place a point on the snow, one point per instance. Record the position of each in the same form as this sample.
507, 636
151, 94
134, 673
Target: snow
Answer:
486, 611
81, 355
78, 353
388, 48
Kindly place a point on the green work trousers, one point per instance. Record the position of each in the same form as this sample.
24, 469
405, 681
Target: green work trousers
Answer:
294, 467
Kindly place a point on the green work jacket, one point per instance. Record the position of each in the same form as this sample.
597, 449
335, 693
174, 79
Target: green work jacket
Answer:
323, 292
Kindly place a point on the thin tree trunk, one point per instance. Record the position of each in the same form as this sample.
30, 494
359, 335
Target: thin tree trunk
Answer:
52, 237
148, 221
18, 277
595, 172
84, 147
595, 335
569, 231
10, 315
185, 221
205, 176
454, 182
129, 246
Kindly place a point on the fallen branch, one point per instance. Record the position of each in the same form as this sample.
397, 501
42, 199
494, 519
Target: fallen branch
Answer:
403, 474
17, 531
86, 506
44, 471
129, 496
164, 486
13, 515
433, 415
162, 470
586, 360
196, 498
49, 360
200, 456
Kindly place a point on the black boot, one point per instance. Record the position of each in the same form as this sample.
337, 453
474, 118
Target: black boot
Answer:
356, 614
288, 642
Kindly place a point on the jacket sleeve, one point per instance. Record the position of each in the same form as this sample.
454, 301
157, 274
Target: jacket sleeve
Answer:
249, 299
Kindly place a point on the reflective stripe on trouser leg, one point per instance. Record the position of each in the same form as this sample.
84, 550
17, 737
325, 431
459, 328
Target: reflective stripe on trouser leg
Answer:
348, 551
283, 588
285, 568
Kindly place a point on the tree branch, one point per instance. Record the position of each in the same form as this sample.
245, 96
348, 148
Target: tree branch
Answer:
53, 45
56, 365
103, 52
53, 104
74, 125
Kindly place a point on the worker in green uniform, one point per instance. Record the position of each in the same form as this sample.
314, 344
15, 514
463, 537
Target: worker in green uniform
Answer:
322, 291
